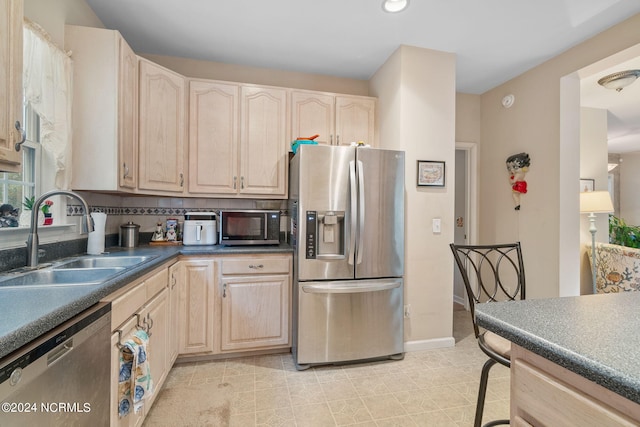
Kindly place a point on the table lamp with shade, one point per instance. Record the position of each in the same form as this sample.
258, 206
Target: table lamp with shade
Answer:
593, 202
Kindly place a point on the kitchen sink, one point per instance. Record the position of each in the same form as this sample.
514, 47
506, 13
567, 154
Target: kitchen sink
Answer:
65, 277
103, 262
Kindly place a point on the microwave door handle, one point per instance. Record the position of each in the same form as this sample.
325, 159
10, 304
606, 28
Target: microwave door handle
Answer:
353, 211
266, 225
359, 248
198, 232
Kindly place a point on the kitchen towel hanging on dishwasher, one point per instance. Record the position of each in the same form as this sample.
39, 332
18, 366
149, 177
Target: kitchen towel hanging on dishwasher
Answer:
134, 381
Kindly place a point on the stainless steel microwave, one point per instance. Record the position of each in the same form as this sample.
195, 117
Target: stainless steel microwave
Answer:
249, 227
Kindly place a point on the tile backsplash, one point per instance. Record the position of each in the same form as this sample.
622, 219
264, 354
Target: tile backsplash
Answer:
120, 209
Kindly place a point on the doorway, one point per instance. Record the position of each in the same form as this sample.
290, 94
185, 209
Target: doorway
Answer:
465, 210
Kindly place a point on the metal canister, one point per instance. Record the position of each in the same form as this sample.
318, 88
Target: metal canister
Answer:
129, 235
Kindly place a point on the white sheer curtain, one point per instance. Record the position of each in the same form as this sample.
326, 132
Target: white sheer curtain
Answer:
47, 82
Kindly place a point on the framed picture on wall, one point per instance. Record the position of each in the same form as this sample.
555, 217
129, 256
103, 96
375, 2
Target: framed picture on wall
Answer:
587, 185
430, 173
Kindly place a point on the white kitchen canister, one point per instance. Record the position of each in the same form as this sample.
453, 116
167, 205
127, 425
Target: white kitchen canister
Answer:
95, 243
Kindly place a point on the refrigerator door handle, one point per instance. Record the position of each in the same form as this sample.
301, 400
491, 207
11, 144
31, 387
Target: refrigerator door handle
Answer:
349, 289
359, 248
353, 210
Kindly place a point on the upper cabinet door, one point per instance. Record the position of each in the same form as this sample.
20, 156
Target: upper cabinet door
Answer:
10, 83
313, 113
263, 136
355, 120
213, 136
105, 110
336, 119
161, 128
128, 116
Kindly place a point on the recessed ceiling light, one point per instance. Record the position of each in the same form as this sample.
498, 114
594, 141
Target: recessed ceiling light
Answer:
394, 6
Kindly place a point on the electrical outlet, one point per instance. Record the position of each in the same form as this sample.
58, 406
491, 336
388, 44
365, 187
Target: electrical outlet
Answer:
407, 311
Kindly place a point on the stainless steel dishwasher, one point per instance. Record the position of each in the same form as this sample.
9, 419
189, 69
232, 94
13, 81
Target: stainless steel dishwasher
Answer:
62, 378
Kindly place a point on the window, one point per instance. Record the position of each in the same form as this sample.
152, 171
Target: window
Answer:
15, 187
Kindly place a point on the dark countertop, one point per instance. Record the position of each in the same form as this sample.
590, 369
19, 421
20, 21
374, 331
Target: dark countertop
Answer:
595, 336
26, 313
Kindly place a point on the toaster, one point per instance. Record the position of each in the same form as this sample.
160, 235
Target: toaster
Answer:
199, 228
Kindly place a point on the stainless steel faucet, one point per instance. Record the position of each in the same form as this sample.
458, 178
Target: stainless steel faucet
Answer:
32, 240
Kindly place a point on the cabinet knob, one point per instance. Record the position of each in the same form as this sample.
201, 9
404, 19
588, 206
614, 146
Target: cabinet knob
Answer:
337, 139
126, 170
23, 135
224, 290
257, 267
235, 179
331, 139
181, 180
242, 182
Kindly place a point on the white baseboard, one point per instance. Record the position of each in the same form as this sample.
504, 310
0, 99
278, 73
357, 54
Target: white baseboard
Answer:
429, 344
458, 299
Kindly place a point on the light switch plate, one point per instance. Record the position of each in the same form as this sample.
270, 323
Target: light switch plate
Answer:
436, 225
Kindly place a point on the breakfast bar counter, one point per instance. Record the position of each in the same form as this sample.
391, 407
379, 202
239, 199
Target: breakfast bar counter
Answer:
591, 337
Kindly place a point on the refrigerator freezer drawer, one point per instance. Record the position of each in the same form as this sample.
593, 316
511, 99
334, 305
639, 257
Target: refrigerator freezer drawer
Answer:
349, 320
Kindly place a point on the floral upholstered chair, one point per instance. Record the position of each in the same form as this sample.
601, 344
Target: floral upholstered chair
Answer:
618, 268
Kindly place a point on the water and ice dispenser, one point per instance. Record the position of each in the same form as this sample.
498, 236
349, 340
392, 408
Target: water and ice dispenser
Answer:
326, 235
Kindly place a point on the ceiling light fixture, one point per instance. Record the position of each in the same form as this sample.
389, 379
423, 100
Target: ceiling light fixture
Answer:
394, 6
619, 81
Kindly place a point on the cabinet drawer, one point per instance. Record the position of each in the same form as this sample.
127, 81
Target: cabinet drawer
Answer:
157, 282
123, 307
253, 265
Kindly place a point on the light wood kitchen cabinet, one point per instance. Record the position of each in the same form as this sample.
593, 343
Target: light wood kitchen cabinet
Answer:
236, 135
263, 156
337, 119
213, 137
143, 304
133, 419
546, 394
105, 110
10, 84
254, 294
176, 276
153, 318
161, 121
196, 318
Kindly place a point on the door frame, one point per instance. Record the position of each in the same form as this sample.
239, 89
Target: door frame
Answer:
471, 209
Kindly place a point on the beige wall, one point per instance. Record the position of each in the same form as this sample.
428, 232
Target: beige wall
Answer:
53, 15
416, 93
468, 117
629, 184
262, 76
533, 125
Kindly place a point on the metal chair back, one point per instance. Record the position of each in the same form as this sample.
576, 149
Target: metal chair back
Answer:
490, 273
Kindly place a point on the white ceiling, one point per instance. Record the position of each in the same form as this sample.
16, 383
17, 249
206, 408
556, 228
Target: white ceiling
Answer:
494, 40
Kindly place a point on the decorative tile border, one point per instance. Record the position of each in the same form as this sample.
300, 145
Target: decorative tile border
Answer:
77, 210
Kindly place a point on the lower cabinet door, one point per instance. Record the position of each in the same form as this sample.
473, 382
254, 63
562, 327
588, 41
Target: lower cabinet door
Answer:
254, 312
132, 419
176, 277
197, 307
155, 318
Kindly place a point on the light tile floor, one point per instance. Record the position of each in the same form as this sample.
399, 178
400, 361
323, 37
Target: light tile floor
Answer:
428, 388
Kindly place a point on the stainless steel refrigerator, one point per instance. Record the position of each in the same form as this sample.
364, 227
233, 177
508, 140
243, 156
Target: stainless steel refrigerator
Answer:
347, 230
